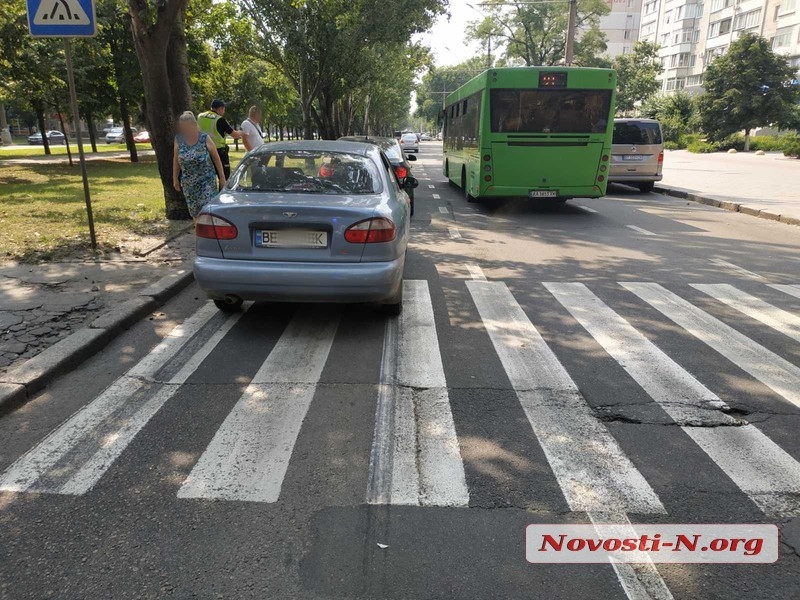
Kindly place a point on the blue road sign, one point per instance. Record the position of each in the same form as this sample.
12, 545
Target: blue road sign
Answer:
61, 18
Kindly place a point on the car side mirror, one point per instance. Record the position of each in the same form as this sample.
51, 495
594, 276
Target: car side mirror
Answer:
411, 157
410, 183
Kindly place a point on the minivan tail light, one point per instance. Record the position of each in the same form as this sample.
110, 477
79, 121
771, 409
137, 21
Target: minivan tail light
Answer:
214, 228
661, 157
379, 229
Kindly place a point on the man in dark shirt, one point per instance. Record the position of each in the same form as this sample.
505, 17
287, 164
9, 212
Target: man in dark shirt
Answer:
213, 123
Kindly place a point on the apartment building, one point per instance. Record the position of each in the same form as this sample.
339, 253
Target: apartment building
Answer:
691, 33
621, 26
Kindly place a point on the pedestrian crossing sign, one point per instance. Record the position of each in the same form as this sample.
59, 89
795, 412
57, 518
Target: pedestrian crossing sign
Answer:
61, 18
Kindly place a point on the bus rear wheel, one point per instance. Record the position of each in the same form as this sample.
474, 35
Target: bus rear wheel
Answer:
467, 196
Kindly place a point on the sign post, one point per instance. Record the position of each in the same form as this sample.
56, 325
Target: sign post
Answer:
67, 19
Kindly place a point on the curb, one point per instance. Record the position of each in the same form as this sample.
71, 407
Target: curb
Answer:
21, 382
726, 205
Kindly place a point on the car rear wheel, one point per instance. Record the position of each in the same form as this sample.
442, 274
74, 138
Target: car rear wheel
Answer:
394, 306
646, 187
229, 304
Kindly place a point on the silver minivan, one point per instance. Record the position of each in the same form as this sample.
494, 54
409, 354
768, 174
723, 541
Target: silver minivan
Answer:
637, 153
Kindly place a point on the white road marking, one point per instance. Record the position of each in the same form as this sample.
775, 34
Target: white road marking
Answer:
475, 272
792, 290
430, 185
773, 371
753, 307
640, 581
250, 452
758, 466
640, 230
444, 210
436, 196
415, 458
727, 265
455, 234
591, 468
587, 209
78, 453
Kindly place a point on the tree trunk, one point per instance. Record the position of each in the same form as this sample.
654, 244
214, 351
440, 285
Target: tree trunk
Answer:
747, 140
92, 133
126, 125
164, 98
42, 127
178, 66
66, 135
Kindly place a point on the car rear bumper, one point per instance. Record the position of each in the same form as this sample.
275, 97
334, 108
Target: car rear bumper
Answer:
633, 178
299, 282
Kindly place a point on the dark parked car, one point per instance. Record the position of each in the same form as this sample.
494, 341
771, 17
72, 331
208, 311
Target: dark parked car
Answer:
400, 161
53, 137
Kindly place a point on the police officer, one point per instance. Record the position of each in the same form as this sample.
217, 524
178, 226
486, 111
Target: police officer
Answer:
213, 123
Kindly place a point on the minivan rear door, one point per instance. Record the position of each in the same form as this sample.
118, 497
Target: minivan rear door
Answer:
636, 146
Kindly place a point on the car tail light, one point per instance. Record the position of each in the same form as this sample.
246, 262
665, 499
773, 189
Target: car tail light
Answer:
401, 172
214, 228
370, 231
661, 157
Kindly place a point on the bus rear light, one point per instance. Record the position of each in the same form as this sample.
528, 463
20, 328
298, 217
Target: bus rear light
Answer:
487, 157
605, 157
487, 168
602, 168
600, 178
487, 178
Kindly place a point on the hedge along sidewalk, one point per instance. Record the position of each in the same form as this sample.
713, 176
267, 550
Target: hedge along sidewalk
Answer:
24, 380
761, 186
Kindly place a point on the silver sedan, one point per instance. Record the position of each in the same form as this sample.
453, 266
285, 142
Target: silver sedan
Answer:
309, 221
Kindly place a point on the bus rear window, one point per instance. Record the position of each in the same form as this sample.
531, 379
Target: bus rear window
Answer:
634, 132
550, 111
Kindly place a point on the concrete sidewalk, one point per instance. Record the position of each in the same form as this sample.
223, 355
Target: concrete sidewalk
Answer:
764, 186
42, 304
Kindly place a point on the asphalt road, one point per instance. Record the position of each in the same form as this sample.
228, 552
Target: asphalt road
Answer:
554, 364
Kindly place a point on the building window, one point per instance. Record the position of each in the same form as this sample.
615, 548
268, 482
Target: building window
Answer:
713, 53
650, 7
786, 7
627, 34
719, 28
665, 40
720, 4
648, 29
676, 84
668, 17
694, 80
747, 20
783, 37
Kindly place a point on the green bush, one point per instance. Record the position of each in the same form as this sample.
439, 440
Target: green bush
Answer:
791, 145
702, 147
767, 143
688, 138
671, 145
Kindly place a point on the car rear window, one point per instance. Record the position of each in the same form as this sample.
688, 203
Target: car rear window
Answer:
633, 132
306, 172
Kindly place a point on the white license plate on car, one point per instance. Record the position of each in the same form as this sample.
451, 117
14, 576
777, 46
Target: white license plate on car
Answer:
543, 194
632, 157
291, 238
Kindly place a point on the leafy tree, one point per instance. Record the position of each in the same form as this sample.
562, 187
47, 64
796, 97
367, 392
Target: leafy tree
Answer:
637, 74
748, 87
535, 34
677, 113
438, 82
160, 43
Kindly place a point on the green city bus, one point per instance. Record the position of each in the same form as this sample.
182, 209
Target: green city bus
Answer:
537, 132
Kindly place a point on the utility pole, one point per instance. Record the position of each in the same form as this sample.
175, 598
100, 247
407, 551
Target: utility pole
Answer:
573, 17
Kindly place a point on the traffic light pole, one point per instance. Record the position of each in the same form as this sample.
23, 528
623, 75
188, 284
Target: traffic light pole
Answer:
73, 100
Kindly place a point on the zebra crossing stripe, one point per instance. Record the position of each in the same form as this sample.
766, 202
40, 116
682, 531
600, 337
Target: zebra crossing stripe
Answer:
250, 452
592, 470
753, 307
78, 453
640, 580
758, 466
773, 371
792, 290
415, 457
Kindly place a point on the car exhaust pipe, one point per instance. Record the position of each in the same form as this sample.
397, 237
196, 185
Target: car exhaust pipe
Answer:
232, 300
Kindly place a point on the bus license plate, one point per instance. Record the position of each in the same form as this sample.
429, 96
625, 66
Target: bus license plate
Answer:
543, 194
291, 238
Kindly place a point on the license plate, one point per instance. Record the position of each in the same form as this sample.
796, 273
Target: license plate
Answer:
291, 238
543, 194
632, 157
